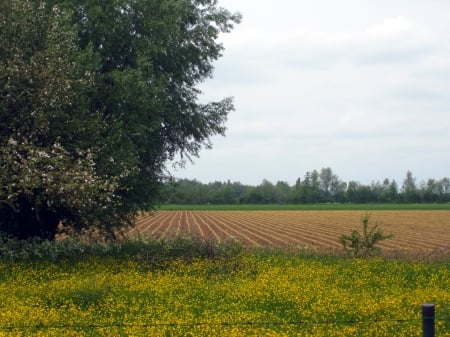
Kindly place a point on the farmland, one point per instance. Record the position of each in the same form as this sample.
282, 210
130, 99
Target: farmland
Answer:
413, 230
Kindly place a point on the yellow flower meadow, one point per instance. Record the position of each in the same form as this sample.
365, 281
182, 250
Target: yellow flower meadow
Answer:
249, 295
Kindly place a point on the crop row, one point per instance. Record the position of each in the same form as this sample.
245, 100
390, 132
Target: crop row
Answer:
413, 230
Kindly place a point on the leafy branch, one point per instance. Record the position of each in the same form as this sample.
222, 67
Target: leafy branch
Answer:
363, 244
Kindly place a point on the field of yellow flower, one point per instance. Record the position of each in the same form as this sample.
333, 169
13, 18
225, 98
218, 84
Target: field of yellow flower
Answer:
246, 295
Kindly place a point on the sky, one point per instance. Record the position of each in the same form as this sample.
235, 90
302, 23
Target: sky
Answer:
360, 86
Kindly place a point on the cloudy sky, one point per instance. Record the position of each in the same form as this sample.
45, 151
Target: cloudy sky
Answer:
361, 86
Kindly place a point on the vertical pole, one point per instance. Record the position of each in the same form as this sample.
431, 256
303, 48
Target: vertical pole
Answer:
428, 319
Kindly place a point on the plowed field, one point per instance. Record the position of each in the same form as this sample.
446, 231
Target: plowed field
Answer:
413, 230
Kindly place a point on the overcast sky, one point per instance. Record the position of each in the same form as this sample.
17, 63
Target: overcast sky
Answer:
361, 86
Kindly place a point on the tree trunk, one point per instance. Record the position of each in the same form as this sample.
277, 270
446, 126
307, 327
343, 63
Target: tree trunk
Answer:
27, 222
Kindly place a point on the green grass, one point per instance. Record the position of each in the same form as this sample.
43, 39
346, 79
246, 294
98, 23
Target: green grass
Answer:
315, 207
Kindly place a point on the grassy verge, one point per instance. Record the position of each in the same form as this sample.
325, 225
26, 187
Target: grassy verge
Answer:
192, 288
318, 207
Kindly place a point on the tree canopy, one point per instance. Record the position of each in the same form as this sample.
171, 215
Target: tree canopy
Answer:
96, 97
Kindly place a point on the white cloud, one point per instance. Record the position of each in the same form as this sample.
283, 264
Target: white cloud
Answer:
390, 27
359, 87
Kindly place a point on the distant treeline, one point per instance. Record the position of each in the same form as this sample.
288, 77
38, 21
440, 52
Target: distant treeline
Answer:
316, 187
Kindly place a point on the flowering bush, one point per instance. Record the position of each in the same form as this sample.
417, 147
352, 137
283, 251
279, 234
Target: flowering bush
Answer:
48, 140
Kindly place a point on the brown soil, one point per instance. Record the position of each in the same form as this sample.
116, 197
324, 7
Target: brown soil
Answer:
414, 231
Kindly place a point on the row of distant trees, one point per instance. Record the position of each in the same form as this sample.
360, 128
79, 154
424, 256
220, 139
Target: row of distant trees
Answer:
316, 187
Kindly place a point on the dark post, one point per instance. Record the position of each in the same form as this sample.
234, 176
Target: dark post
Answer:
428, 319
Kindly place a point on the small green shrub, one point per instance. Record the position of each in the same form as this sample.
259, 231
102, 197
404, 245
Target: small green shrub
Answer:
147, 250
362, 244
186, 248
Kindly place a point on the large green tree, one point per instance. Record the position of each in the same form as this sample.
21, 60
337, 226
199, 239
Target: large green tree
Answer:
96, 97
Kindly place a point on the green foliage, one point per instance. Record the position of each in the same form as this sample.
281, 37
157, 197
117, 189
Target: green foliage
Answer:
149, 252
362, 244
47, 136
317, 187
96, 97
